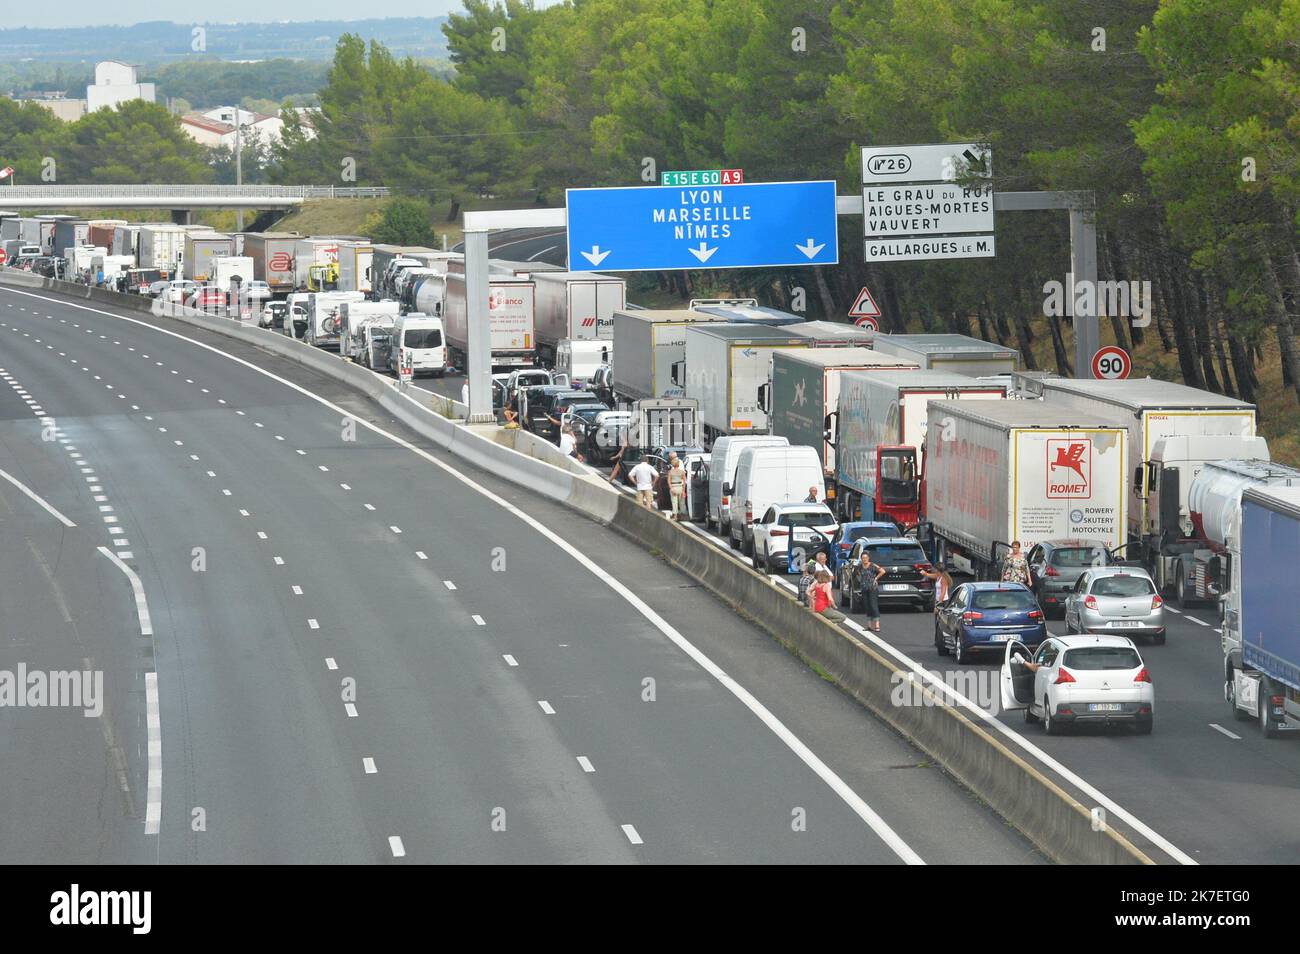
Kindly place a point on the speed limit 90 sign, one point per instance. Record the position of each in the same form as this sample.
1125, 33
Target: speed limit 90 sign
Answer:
1111, 364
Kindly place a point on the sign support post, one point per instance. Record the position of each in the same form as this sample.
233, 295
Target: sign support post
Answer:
478, 359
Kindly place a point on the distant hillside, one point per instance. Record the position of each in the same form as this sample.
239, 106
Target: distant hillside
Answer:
161, 41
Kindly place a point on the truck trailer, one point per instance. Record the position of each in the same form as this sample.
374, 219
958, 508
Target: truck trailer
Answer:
201, 248
726, 369
356, 264
805, 391
510, 316
162, 247
648, 343
575, 306
879, 425
1262, 651
1001, 471
273, 255
960, 354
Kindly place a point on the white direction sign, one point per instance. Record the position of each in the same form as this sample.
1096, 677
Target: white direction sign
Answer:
914, 209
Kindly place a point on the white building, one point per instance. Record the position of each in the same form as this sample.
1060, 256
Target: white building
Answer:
116, 83
216, 127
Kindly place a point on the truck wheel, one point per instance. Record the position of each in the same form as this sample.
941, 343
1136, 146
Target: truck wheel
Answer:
1230, 694
1178, 588
1266, 726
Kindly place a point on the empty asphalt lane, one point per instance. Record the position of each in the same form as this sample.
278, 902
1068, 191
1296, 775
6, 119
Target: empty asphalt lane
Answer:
702, 779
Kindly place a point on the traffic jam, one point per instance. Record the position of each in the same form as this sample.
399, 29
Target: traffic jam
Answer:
872, 474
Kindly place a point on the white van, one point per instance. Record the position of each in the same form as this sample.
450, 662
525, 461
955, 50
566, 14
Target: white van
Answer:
769, 475
420, 338
295, 322
581, 358
722, 470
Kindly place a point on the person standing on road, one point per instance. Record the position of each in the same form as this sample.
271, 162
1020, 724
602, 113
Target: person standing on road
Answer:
677, 487
1015, 568
823, 603
942, 582
869, 575
568, 443
643, 478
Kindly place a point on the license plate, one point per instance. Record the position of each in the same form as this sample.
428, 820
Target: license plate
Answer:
1104, 707
1002, 637
894, 587
1129, 623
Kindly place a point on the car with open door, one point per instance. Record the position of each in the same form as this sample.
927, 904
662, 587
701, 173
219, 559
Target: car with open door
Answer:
849, 533
1114, 599
980, 618
1079, 680
790, 534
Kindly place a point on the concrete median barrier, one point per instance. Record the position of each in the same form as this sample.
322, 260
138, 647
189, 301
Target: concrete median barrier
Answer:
959, 738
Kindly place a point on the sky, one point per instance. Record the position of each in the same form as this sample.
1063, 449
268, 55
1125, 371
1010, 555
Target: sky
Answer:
124, 12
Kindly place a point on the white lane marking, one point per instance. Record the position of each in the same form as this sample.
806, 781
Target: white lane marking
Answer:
586, 764
1219, 728
240, 413
533, 258
104, 508
478, 620
368, 764
449, 584
396, 846
330, 663
510, 660
28, 491
302, 452
369, 506
125, 554
546, 707
297, 590
225, 491
350, 709
395, 529
345, 486
212, 473
98, 498
632, 835
110, 520
243, 513
278, 437
796, 745
258, 424
279, 561
1198, 622
194, 457
137, 588
153, 720
421, 555
322, 468
261, 534
114, 530
1170, 609
313, 624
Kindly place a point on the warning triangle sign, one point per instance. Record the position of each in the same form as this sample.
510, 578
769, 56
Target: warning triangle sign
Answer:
864, 306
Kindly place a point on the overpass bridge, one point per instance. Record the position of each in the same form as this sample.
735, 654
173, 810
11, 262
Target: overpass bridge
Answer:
179, 198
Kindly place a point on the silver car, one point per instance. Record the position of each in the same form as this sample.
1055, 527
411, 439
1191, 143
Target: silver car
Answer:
1116, 600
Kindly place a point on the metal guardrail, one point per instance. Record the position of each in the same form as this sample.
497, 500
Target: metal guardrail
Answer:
205, 191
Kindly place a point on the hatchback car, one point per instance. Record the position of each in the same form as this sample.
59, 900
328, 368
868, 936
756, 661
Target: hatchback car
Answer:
979, 617
1055, 566
273, 313
854, 530
789, 529
1076, 680
208, 298
903, 582
1116, 599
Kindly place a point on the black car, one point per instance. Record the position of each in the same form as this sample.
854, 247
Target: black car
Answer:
903, 560
548, 402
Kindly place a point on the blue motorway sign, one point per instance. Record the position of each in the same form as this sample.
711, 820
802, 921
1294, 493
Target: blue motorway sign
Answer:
649, 228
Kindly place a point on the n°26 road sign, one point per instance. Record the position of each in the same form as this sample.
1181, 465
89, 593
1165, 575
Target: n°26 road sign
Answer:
1111, 364
756, 225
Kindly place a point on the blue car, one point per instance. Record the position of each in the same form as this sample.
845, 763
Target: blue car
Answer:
842, 541
984, 617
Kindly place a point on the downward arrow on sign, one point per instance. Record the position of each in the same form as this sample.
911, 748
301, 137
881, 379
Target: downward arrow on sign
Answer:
703, 253
595, 256
810, 249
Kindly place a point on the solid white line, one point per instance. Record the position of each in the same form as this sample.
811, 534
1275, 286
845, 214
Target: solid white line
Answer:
632, 836
586, 764
395, 844
25, 489
368, 764
546, 707
510, 660
1219, 728
533, 258
809, 758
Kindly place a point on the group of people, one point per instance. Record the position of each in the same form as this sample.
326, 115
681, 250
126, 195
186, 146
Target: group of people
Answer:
817, 580
644, 475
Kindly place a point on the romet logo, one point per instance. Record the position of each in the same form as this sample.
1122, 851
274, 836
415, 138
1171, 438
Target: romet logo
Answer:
1069, 468
76, 907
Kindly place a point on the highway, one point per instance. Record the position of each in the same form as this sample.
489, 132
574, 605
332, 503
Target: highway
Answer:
347, 647
527, 245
